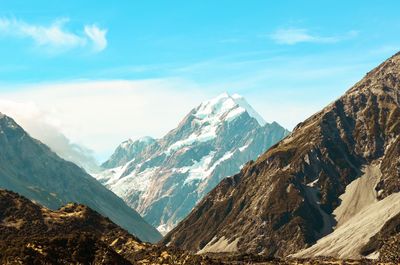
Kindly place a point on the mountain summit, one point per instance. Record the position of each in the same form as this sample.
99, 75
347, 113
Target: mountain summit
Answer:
164, 179
334, 179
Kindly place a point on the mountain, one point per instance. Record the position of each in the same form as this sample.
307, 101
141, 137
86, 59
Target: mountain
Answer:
128, 150
334, 179
38, 124
164, 179
30, 168
73, 234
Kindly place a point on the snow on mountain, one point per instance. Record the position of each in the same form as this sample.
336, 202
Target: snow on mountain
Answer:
127, 150
244, 105
164, 179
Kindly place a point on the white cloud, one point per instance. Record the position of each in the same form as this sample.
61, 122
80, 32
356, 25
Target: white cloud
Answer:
43, 126
101, 114
98, 36
292, 36
55, 36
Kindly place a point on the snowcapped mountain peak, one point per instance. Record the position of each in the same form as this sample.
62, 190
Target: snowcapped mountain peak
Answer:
163, 179
226, 107
243, 104
216, 106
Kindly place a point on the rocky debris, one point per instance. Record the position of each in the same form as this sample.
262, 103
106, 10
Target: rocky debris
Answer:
74, 234
386, 243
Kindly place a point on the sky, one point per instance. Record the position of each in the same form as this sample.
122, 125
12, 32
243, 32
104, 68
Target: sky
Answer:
99, 72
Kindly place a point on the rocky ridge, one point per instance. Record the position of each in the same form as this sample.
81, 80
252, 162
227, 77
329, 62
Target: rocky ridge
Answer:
285, 200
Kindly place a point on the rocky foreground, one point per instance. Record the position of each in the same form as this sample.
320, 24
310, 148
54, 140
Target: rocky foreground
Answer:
75, 234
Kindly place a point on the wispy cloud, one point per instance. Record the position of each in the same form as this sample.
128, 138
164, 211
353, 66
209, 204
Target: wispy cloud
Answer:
98, 37
292, 36
55, 36
43, 126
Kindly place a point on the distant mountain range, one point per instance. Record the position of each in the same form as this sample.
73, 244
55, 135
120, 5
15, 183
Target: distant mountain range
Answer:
331, 188
30, 168
163, 179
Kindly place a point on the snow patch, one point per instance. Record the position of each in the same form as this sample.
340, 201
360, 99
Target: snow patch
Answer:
199, 170
234, 114
136, 181
243, 103
207, 134
164, 229
241, 149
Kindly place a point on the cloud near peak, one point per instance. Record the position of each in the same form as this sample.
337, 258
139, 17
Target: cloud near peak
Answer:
43, 126
55, 36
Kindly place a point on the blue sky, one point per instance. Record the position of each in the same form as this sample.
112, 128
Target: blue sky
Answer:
147, 39
288, 58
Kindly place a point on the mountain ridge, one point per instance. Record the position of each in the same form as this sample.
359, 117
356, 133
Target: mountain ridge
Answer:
33, 170
269, 207
165, 179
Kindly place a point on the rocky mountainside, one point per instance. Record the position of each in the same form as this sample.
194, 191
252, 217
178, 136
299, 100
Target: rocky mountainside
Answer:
298, 191
73, 234
164, 179
30, 168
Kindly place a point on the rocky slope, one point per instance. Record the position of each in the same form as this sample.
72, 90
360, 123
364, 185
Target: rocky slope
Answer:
30, 168
73, 234
164, 179
286, 200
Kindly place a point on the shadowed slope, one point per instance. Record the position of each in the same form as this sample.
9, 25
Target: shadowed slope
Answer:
30, 168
